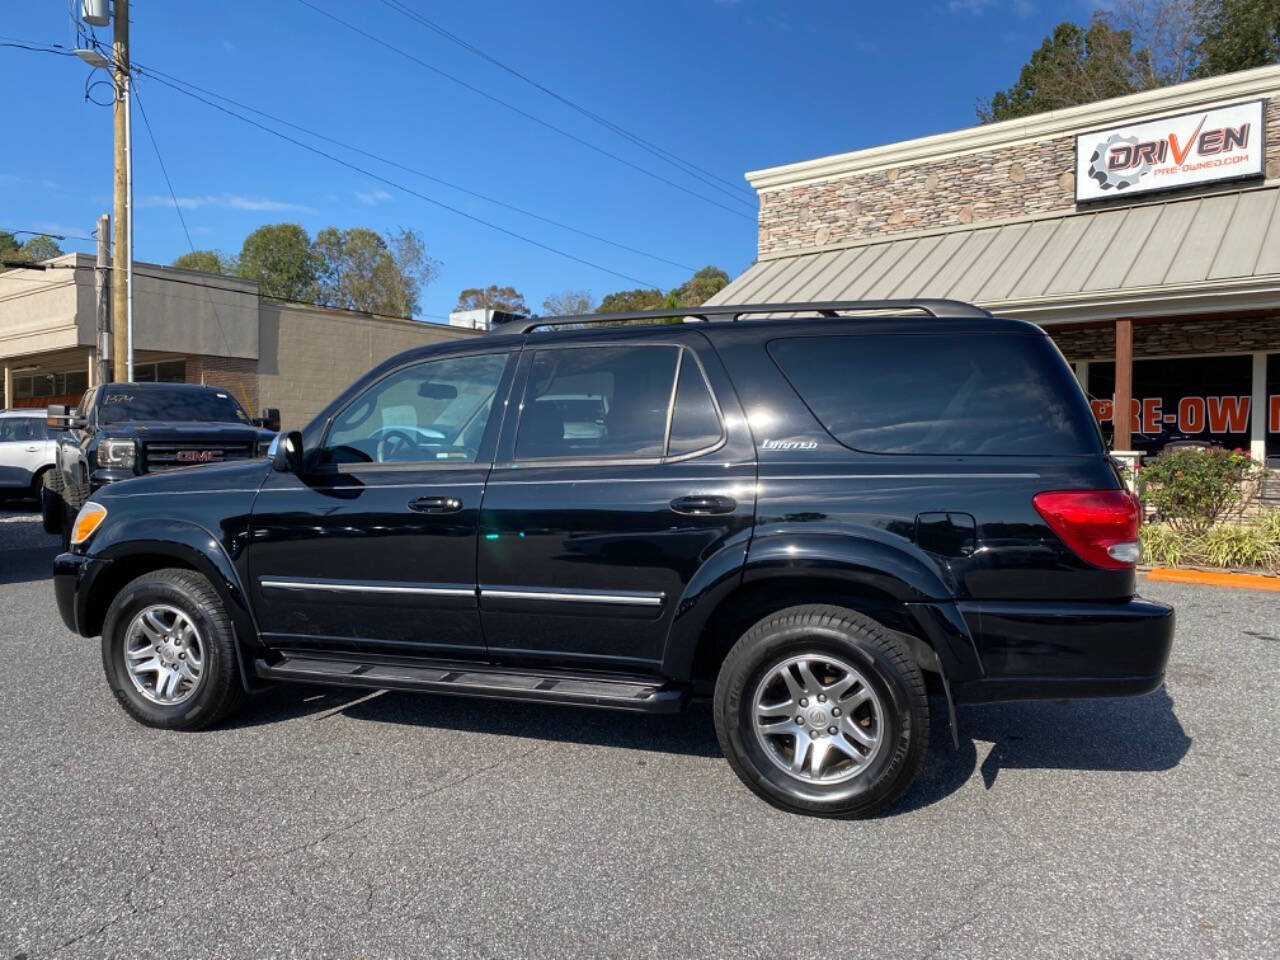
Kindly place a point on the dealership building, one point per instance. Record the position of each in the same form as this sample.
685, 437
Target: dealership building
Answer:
191, 327
1143, 233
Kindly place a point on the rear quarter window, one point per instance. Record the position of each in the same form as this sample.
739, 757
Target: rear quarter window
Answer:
969, 394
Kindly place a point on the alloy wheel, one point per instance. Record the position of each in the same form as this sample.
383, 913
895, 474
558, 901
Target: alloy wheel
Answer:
817, 718
164, 654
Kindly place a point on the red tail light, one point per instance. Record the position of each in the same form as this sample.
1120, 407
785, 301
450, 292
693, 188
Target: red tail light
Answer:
1101, 526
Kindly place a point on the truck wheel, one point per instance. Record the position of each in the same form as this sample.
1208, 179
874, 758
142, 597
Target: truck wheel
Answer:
50, 510
38, 484
168, 650
821, 710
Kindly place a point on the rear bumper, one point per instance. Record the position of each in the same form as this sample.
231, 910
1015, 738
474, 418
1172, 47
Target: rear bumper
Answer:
1068, 649
72, 576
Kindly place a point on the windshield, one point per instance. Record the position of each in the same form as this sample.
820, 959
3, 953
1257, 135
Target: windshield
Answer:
120, 406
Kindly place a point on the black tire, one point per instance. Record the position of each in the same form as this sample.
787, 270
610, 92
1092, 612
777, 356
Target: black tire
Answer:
890, 671
38, 484
219, 692
68, 522
50, 509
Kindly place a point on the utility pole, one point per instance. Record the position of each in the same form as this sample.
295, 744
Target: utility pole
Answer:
102, 286
122, 264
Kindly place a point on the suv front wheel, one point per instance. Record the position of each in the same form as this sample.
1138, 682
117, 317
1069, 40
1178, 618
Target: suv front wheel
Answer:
821, 710
168, 650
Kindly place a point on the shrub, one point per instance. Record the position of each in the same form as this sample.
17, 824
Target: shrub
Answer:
1192, 488
1161, 544
1232, 546
1269, 523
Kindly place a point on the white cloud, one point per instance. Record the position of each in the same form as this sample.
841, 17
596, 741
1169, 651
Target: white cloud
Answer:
974, 7
225, 201
374, 198
13, 180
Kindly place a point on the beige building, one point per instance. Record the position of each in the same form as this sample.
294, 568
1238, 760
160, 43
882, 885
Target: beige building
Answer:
191, 327
1142, 232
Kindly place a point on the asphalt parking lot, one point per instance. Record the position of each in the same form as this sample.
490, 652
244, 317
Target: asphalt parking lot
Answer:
330, 823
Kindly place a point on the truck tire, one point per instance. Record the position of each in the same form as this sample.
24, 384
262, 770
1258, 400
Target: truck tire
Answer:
38, 483
823, 711
50, 506
71, 497
168, 650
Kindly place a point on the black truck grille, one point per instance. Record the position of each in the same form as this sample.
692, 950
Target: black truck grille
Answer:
166, 456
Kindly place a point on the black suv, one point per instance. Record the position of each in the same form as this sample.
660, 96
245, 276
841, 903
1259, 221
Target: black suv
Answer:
810, 516
122, 430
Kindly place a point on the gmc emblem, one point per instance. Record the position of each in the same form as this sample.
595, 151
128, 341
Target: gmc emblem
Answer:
199, 456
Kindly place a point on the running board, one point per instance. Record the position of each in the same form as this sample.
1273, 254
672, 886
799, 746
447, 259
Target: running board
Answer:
586, 691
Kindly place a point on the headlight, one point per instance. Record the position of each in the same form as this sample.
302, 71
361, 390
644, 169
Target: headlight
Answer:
117, 453
88, 520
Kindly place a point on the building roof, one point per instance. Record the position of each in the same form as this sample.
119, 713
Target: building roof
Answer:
1179, 255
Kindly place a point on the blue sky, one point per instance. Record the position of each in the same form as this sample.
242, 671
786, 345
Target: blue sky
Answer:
728, 85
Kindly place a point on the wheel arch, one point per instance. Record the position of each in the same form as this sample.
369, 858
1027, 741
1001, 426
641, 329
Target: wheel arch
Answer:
871, 576
167, 544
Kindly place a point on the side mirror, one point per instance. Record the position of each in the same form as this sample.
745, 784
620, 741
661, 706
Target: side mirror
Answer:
286, 452
60, 417
269, 420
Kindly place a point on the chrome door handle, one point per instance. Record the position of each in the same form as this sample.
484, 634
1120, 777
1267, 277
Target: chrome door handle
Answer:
435, 505
701, 506
33, 449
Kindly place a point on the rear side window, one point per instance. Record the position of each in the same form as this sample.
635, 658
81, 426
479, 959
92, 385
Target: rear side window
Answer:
616, 402
695, 423
992, 394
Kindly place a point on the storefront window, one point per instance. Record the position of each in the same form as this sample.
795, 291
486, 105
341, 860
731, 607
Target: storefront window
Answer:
1191, 399
171, 371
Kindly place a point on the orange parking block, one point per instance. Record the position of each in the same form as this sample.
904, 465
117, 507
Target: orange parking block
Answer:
1208, 578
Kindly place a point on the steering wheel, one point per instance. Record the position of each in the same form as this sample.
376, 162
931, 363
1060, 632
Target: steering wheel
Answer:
396, 442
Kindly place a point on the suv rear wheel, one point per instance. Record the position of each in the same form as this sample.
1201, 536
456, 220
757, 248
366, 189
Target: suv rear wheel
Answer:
168, 650
822, 710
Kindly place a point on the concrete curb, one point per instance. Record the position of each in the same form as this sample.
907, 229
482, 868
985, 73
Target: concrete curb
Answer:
1207, 578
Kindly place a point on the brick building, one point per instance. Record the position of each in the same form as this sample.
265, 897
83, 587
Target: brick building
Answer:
1142, 232
191, 327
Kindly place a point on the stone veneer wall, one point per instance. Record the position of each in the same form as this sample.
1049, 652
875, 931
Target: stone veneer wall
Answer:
1164, 339
1016, 181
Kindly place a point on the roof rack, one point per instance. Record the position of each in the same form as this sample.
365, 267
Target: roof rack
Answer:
733, 312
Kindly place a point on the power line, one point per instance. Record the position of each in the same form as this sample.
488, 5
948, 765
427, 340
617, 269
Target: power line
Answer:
529, 116
54, 236
155, 75
177, 207
54, 48
395, 185
735, 190
151, 71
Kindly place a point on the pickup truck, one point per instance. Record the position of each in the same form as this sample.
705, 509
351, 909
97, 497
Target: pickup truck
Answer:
125, 430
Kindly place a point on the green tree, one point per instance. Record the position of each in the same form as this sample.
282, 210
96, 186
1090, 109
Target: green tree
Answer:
569, 303
701, 287
33, 251
625, 301
362, 270
1073, 65
492, 297
206, 261
1236, 35
281, 258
